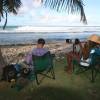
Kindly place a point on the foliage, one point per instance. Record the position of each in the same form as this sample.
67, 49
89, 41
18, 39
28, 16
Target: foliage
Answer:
72, 6
7, 6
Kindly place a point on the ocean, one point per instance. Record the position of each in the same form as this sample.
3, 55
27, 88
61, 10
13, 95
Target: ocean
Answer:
14, 35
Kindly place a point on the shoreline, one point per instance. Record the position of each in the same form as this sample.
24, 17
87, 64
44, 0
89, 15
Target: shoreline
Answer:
34, 43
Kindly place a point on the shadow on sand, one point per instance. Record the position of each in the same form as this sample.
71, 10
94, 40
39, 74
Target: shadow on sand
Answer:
54, 93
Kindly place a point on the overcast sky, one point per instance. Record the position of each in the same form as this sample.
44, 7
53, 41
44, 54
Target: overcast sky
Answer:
34, 14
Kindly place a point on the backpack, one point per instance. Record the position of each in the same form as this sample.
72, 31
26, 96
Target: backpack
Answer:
9, 73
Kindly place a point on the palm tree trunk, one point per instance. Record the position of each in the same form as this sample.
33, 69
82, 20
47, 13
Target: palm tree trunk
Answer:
2, 63
5, 20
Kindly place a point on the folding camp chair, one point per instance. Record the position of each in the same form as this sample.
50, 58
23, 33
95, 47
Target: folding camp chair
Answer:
89, 64
43, 64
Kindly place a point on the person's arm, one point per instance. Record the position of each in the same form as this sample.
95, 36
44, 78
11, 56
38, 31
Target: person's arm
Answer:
73, 48
28, 58
81, 48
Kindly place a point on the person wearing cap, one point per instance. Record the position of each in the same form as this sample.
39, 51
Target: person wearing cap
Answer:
94, 44
94, 40
95, 49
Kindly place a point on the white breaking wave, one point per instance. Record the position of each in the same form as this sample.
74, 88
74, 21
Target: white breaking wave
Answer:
56, 29
48, 33
52, 29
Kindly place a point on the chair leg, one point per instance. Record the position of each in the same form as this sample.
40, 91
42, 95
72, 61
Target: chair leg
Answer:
73, 67
81, 70
53, 73
37, 79
92, 78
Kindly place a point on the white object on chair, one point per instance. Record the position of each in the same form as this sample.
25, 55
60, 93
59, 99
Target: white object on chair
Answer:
92, 51
85, 62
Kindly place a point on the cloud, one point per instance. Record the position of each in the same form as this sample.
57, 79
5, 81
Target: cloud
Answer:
58, 19
33, 13
45, 16
37, 3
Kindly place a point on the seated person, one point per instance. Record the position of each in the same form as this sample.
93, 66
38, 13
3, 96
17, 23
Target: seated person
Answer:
74, 54
94, 42
38, 51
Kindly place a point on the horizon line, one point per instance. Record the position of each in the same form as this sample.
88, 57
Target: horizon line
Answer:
49, 26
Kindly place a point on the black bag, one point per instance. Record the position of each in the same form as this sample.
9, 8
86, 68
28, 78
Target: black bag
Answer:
9, 72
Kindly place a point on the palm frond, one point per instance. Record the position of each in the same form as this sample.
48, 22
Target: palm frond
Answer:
71, 6
11, 5
6, 15
7, 6
1, 7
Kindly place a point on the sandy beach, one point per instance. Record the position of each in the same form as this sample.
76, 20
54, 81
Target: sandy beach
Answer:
12, 53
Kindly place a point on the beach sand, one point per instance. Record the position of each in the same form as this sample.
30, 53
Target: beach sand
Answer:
12, 53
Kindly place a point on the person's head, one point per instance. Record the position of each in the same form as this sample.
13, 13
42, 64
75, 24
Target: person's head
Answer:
92, 44
40, 43
77, 41
94, 40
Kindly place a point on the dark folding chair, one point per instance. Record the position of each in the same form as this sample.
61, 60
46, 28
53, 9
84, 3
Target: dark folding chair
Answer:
92, 65
43, 64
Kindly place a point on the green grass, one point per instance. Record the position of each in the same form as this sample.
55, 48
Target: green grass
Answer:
65, 87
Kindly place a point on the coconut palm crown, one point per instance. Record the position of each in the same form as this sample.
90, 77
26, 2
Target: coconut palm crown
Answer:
7, 6
72, 6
